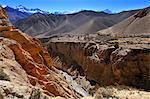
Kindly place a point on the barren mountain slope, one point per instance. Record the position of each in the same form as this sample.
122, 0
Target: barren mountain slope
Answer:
137, 24
83, 22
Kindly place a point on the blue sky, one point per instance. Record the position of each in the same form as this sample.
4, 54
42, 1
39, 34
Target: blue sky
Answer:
76, 5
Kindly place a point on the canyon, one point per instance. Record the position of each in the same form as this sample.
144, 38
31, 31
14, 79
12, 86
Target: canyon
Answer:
109, 57
126, 64
117, 55
89, 66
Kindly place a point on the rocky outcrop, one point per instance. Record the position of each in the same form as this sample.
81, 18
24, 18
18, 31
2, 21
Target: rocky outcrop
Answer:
142, 13
14, 82
27, 71
124, 63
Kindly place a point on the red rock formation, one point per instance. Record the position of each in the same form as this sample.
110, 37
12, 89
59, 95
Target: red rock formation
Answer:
31, 45
35, 60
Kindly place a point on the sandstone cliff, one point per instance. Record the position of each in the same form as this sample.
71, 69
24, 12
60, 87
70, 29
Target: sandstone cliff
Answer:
26, 70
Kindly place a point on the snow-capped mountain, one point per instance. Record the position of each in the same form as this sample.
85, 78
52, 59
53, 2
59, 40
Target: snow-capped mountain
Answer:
15, 14
20, 12
27, 10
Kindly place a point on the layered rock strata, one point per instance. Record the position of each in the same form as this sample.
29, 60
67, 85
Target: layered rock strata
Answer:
123, 61
26, 70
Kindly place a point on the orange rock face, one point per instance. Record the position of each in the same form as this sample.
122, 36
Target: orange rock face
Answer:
31, 45
34, 60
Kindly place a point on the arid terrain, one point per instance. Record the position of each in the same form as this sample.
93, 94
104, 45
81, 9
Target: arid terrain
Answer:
91, 61
83, 22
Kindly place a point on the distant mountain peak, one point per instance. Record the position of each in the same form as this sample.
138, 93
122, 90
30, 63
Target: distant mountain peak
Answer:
35, 10
20, 6
107, 11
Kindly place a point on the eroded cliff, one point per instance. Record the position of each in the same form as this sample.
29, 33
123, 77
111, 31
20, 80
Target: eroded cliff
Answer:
26, 70
122, 60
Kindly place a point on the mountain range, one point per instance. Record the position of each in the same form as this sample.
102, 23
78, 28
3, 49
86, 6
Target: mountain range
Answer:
83, 22
41, 24
15, 14
27, 10
20, 12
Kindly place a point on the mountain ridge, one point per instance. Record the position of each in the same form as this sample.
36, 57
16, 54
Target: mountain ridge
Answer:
15, 15
137, 24
28, 10
83, 22
21, 12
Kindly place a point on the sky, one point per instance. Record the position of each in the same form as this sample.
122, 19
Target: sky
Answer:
77, 5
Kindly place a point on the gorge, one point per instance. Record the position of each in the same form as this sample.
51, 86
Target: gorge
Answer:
101, 65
